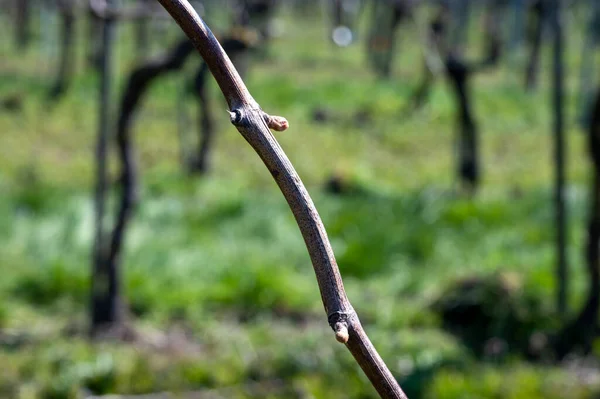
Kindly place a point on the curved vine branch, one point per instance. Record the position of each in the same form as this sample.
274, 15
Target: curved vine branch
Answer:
251, 122
137, 84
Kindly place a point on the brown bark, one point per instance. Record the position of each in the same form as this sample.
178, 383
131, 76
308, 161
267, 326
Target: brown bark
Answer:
253, 125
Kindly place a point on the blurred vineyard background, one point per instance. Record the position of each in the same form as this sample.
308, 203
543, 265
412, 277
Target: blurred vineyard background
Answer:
220, 291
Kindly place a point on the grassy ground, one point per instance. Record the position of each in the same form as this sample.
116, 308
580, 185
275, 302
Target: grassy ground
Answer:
216, 272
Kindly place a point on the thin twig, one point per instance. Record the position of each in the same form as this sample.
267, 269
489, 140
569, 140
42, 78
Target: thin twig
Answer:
249, 119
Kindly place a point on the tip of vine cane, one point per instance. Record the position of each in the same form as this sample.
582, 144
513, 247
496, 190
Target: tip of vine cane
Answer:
341, 332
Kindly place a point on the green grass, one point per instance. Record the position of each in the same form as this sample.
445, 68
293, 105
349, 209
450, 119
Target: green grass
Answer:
218, 264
